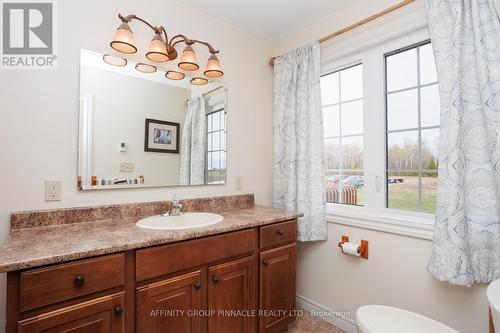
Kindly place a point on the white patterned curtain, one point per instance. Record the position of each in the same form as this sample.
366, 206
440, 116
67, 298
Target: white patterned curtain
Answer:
298, 173
193, 143
465, 36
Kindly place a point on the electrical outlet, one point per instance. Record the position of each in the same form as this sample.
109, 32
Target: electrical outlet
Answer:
239, 183
53, 189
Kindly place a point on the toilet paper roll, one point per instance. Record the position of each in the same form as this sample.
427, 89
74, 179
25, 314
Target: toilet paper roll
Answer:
351, 249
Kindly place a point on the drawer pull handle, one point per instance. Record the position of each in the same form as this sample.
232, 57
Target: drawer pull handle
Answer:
197, 285
79, 280
118, 311
280, 232
215, 279
265, 263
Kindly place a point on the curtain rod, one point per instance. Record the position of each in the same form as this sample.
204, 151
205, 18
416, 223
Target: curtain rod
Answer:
212, 91
205, 94
359, 23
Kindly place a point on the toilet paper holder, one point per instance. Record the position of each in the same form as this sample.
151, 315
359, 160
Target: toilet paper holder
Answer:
362, 248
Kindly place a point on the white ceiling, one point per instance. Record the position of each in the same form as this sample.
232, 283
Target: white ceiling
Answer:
273, 20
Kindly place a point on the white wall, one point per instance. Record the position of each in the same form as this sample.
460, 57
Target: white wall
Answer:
395, 273
121, 103
39, 110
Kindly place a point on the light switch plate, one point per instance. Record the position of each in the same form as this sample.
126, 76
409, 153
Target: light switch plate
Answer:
126, 167
239, 183
53, 190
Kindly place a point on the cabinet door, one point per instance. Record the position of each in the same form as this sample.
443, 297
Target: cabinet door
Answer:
232, 294
277, 288
101, 315
169, 306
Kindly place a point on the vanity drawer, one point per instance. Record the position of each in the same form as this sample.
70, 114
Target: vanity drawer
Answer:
161, 260
58, 283
277, 234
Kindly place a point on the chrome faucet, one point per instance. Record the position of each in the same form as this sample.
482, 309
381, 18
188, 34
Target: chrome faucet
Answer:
175, 207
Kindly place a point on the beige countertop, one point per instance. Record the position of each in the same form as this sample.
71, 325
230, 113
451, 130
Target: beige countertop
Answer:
33, 247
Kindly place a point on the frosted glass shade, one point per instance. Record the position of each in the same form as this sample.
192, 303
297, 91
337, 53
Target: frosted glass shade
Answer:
188, 60
124, 41
198, 81
213, 67
173, 75
114, 60
145, 68
157, 50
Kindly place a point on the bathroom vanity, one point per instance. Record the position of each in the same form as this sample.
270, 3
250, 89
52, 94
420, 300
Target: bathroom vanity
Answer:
236, 276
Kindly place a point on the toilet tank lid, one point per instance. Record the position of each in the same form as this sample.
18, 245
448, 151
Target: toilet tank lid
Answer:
388, 319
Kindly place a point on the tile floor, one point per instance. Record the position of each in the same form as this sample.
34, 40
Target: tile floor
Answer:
309, 324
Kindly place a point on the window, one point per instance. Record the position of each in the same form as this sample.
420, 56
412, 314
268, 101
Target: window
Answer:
342, 101
412, 128
216, 147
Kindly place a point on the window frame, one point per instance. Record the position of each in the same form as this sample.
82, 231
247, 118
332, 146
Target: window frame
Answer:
210, 111
374, 214
419, 127
339, 104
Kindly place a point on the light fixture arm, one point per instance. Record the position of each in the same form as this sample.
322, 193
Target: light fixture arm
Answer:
157, 30
187, 41
210, 48
161, 29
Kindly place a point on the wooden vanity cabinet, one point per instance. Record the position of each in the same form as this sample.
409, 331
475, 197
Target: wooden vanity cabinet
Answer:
277, 288
171, 305
214, 284
100, 315
232, 294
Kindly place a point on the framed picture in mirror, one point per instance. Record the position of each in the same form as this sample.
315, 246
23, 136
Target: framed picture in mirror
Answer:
161, 136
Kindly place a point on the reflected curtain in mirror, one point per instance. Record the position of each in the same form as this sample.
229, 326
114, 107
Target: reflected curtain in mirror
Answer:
193, 143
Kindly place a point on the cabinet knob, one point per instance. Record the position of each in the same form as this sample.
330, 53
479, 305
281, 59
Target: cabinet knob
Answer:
118, 311
265, 263
280, 232
79, 280
197, 285
215, 279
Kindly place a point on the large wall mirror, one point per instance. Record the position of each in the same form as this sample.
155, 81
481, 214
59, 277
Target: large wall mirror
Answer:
143, 130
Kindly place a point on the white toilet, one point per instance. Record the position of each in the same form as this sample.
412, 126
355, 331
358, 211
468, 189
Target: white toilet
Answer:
387, 319
493, 294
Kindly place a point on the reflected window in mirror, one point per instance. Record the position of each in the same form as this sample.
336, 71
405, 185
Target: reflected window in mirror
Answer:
216, 146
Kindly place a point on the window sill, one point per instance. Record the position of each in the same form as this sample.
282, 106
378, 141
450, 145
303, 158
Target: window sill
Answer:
399, 224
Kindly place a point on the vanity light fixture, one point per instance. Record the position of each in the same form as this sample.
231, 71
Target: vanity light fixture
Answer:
124, 41
198, 81
174, 75
114, 60
145, 68
213, 67
188, 59
162, 49
157, 50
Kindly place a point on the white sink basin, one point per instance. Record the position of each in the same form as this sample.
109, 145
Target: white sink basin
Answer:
183, 221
